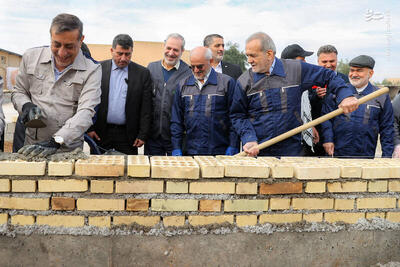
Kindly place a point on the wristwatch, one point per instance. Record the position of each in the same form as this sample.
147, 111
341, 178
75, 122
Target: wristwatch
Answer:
59, 139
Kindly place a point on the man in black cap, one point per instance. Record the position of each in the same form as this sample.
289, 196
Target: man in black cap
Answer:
310, 136
356, 134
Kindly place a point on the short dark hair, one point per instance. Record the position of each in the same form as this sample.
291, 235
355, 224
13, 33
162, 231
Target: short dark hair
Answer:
208, 40
123, 40
67, 22
327, 49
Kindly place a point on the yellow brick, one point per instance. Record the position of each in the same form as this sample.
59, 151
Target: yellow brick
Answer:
280, 218
371, 215
61, 220
212, 188
139, 187
344, 204
22, 219
60, 168
348, 217
376, 203
313, 217
20, 167
316, 171
393, 217
138, 166
197, 220
210, 167
375, 172
174, 204
315, 187
394, 186
177, 187
246, 188
99, 204
279, 203
100, 221
281, 170
246, 220
246, 205
101, 165
174, 167
141, 220
67, 185
3, 218
312, 203
23, 186
105, 187
16, 203
175, 221
338, 187
378, 186
5, 185
349, 171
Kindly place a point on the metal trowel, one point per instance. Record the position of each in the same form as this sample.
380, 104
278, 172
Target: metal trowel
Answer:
36, 122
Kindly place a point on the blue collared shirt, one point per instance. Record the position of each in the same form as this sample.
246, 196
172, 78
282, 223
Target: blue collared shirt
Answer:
117, 95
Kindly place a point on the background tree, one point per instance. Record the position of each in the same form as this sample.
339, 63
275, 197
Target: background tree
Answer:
343, 67
233, 55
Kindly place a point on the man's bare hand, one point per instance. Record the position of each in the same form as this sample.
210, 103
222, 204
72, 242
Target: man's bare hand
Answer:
329, 148
396, 152
251, 149
321, 91
138, 143
349, 104
315, 135
93, 135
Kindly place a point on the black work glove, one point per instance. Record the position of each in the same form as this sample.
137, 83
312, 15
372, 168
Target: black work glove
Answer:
41, 149
30, 112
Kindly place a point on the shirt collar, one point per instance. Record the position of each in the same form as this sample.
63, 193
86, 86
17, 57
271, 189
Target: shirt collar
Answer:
78, 64
211, 78
363, 90
114, 67
176, 65
275, 69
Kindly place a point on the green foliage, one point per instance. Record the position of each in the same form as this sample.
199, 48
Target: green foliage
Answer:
233, 55
343, 67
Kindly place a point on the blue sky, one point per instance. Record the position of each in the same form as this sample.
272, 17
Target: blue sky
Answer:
25, 24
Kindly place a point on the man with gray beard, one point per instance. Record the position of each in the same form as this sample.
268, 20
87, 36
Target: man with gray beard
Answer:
356, 134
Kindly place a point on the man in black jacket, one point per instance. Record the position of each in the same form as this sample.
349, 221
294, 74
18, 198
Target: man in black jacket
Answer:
123, 118
216, 44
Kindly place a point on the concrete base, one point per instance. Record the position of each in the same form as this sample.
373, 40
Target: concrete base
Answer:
355, 248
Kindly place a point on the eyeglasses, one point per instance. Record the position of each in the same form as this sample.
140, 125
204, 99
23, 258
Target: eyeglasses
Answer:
199, 67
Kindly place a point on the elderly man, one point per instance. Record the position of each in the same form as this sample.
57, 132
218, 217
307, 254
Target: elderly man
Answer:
201, 110
57, 87
166, 74
356, 134
216, 44
124, 114
267, 97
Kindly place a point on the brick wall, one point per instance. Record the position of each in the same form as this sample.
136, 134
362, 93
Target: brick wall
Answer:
110, 191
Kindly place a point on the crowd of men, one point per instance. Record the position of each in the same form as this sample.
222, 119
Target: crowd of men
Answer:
209, 107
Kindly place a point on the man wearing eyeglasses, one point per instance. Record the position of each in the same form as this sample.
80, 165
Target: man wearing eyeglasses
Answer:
201, 110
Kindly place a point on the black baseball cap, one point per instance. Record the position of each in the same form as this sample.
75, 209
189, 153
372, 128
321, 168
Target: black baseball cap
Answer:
294, 50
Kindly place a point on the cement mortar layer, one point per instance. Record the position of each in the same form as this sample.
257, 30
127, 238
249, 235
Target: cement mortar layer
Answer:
159, 230
62, 156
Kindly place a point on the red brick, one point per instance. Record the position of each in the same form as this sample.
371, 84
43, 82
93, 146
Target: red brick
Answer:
62, 203
281, 188
137, 204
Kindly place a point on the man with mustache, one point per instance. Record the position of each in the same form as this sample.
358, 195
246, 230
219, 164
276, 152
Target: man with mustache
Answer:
57, 88
124, 114
267, 97
217, 46
201, 110
166, 74
356, 134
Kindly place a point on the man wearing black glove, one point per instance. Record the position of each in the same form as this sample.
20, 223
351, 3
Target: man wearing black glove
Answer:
41, 149
31, 116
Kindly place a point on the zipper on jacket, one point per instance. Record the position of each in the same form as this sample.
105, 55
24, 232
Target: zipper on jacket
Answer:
162, 107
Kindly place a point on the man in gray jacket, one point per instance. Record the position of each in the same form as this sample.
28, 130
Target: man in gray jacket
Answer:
59, 86
166, 74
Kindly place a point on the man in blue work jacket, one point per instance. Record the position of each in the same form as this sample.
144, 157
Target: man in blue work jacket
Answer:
201, 110
267, 97
356, 134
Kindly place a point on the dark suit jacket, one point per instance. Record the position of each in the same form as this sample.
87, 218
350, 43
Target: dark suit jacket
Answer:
138, 107
230, 69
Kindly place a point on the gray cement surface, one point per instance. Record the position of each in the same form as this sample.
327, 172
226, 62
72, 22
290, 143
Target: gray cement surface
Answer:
344, 248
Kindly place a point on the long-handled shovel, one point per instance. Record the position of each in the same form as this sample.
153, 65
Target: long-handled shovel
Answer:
317, 121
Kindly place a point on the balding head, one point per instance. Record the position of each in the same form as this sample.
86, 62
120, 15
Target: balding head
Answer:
200, 60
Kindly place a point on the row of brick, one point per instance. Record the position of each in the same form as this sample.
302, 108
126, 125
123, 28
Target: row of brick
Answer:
196, 220
149, 186
188, 205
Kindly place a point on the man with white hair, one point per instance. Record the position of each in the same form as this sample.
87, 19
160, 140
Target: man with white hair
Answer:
267, 97
356, 134
166, 74
201, 110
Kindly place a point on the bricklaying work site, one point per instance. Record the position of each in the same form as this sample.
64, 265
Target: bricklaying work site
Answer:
202, 197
